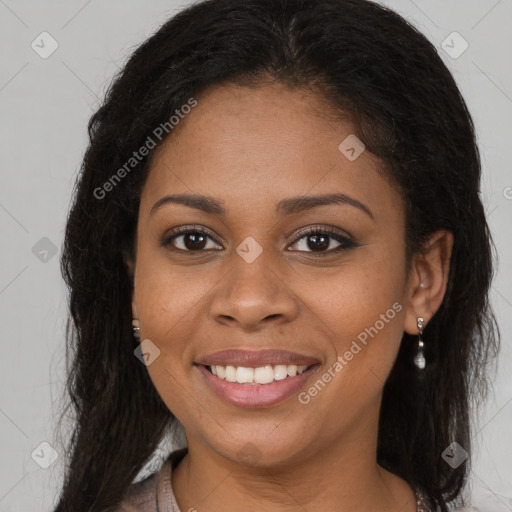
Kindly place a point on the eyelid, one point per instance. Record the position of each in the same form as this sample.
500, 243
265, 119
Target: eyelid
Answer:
324, 228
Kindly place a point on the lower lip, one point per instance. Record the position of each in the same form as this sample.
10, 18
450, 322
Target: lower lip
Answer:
259, 395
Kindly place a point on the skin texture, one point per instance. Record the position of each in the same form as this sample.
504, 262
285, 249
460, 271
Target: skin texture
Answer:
250, 148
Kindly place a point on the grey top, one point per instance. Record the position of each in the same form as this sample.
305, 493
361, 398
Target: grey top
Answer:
154, 493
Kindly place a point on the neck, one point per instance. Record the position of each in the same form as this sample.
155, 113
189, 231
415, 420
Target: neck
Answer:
340, 477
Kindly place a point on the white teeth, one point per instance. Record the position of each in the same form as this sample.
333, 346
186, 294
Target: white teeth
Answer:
280, 372
260, 375
244, 374
230, 373
221, 372
264, 375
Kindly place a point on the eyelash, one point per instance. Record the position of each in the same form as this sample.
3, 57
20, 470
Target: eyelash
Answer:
345, 242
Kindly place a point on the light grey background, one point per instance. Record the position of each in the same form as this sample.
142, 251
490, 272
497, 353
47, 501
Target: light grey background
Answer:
44, 108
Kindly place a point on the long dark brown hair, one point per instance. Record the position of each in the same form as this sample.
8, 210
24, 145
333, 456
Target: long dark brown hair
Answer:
374, 67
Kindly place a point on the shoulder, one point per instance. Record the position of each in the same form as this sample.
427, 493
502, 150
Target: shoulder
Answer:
424, 502
154, 493
142, 496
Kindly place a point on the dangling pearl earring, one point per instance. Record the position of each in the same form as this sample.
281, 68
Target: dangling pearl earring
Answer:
419, 359
136, 329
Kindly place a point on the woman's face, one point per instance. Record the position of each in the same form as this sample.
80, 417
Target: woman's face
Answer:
256, 282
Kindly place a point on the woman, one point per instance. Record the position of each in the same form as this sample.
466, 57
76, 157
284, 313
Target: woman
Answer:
277, 240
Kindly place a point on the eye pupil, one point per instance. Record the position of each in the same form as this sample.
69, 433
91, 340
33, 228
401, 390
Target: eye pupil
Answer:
198, 241
319, 242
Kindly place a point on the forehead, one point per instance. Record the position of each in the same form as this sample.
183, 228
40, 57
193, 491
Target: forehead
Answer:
251, 145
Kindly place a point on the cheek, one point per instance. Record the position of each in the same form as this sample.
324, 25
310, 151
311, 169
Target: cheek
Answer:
169, 301
362, 305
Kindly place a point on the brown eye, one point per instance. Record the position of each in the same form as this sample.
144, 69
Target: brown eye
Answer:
318, 242
189, 240
321, 240
194, 241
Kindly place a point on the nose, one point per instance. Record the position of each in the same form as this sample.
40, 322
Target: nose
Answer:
252, 295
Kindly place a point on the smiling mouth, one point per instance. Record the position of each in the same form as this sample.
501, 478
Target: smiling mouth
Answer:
257, 376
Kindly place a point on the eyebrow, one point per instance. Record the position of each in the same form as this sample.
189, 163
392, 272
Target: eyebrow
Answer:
287, 206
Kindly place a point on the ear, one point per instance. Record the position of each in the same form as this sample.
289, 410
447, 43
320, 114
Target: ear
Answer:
428, 279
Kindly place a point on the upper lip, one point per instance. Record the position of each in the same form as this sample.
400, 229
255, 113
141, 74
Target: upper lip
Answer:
255, 358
